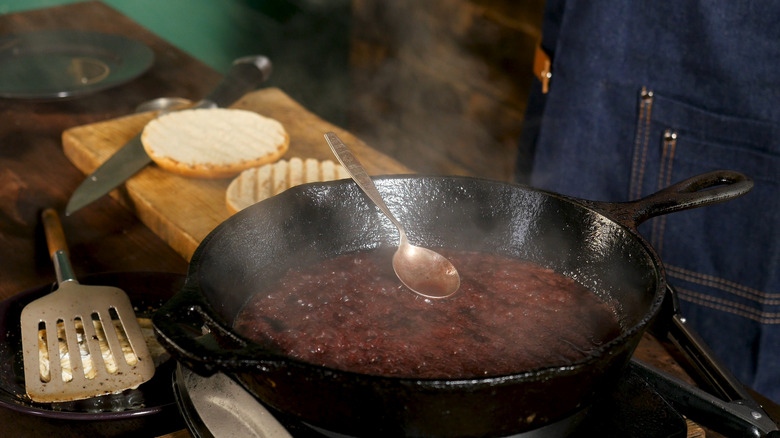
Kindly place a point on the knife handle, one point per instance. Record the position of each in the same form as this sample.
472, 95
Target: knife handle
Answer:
244, 75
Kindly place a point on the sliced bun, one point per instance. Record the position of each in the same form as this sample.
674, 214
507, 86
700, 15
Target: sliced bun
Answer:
214, 142
254, 185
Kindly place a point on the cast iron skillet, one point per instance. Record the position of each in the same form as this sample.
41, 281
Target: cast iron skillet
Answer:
593, 242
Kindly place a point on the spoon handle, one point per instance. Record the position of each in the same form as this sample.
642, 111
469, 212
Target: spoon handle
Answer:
358, 173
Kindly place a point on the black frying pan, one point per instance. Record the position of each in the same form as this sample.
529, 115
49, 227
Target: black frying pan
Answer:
595, 243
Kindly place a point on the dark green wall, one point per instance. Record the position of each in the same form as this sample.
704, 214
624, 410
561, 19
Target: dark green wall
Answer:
307, 40
214, 31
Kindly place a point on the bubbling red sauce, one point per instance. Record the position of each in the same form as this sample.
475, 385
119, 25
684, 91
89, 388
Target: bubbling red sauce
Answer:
352, 313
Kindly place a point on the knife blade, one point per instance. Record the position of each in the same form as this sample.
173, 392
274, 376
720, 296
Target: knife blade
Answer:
245, 75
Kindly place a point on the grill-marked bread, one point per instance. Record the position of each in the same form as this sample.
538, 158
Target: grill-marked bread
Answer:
254, 185
214, 142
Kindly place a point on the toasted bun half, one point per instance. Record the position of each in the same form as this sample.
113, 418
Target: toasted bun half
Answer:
254, 185
214, 142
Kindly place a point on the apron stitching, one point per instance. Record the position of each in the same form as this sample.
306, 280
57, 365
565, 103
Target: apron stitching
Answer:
671, 141
762, 302
730, 307
671, 138
722, 284
640, 143
664, 180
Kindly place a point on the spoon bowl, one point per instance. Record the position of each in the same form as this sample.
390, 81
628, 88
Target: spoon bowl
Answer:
422, 270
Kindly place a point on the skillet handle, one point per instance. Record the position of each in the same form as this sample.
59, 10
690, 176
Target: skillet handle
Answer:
726, 404
698, 191
200, 342
731, 418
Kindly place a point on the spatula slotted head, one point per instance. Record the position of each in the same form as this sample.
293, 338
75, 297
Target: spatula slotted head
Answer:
80, 342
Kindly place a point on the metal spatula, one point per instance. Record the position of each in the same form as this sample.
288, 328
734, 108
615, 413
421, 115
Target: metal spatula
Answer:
80, 341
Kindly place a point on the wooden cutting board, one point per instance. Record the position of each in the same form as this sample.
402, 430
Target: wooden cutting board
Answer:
182, 211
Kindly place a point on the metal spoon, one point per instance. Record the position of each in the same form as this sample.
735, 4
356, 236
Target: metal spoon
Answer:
162, 103
425, 272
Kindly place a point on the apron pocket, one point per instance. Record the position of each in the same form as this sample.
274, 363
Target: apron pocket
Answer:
722, 259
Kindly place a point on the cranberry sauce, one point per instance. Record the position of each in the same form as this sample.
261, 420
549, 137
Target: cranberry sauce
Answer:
352, 313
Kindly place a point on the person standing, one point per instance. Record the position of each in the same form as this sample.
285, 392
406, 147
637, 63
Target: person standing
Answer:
639, 95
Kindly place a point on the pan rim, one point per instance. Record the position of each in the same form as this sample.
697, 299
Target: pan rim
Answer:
280, 360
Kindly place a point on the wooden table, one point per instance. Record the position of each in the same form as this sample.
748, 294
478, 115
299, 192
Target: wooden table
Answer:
34, 173
107, 235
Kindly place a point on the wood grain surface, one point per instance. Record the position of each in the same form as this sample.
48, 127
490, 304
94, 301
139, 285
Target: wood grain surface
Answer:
35, 174
181, 210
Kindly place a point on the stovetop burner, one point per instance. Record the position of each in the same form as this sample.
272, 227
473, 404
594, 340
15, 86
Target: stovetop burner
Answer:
633, 409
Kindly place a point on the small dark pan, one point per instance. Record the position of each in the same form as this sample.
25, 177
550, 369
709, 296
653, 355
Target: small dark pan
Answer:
137, 411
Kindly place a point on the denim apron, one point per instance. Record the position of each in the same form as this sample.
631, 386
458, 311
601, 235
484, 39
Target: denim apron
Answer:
646, 93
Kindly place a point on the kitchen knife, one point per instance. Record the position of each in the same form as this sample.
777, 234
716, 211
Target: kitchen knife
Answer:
245, 75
